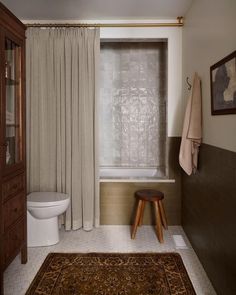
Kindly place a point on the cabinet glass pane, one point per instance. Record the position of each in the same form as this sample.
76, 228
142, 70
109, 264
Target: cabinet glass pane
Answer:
13, 132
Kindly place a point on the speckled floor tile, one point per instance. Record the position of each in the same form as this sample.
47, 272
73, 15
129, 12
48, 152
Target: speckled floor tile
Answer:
18, 277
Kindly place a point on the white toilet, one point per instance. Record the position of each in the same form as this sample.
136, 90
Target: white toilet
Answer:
43, 209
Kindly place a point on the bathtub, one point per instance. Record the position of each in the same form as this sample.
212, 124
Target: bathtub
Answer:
108, 172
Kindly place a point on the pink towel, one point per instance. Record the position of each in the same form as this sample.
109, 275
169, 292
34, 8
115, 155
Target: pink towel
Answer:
192, 129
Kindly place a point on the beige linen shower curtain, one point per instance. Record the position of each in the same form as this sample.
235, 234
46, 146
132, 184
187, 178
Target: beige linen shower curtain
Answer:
61, 66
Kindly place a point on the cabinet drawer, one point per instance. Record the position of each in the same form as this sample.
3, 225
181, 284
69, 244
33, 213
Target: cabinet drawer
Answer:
13, 186
13, 241
13, 209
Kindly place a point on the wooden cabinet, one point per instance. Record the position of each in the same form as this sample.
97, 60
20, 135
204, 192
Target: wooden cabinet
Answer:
13, 234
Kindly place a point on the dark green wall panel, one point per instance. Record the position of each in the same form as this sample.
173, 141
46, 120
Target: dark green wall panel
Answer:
209, 215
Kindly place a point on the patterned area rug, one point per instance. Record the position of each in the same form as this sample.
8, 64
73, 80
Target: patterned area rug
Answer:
112, 274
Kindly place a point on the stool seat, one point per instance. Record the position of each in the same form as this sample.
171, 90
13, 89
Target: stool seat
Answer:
155, 197
150, 195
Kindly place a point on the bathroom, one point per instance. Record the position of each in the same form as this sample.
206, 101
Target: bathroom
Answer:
199, 207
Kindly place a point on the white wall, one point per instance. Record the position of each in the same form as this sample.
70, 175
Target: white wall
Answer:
174, 36
209, 34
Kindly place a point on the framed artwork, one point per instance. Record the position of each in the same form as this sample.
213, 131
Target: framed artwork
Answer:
223, 86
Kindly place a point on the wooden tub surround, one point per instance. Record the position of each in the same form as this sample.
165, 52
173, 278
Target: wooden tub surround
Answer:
156, 197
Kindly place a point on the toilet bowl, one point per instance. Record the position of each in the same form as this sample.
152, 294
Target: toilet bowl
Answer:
43, 209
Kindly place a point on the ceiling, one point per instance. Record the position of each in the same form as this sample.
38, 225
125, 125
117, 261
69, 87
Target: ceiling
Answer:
97, 9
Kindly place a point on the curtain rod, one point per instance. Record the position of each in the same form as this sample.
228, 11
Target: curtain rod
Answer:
179, 23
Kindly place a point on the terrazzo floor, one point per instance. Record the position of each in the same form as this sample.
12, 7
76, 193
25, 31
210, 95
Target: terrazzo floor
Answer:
18, 277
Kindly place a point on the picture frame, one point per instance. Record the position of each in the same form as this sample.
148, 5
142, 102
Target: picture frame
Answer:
223, 86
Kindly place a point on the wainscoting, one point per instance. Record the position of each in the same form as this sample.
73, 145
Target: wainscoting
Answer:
118, 203
209, 215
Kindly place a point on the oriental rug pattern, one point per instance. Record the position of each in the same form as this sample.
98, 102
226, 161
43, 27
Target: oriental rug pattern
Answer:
112, 274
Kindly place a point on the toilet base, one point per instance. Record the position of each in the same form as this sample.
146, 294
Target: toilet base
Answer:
42, 232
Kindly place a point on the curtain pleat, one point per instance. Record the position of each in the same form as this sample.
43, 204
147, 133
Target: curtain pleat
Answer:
62, 155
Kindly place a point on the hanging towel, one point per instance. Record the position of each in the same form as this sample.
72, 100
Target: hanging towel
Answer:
192, 129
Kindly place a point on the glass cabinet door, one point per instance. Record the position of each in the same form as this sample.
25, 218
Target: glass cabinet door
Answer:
13, 96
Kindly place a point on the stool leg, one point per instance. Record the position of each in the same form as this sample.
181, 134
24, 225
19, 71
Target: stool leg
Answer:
158, 222
163, 215
137, 218
141, 214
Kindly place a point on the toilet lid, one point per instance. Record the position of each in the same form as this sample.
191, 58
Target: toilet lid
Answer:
45, 199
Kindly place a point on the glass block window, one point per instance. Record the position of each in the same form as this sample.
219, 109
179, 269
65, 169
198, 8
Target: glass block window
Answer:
133, 90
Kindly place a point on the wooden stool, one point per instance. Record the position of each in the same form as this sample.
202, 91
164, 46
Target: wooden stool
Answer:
150, 195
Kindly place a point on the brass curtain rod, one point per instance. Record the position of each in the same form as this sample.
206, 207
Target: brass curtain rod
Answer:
179, 23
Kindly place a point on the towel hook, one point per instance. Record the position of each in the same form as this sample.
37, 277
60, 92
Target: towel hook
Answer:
189, 85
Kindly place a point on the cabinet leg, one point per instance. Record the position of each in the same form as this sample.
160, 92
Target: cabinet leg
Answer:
24, 254
1, 283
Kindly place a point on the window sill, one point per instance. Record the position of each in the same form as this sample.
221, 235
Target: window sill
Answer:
136, 179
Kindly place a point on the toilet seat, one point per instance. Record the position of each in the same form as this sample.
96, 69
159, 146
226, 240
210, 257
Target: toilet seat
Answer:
46, 199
